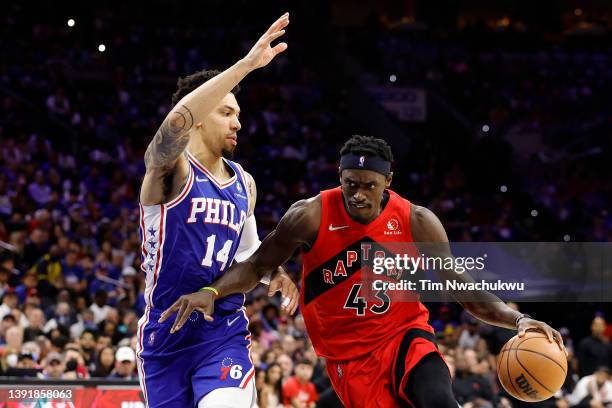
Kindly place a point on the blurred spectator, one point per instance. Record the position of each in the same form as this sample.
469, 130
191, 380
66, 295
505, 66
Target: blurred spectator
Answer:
85, 321
58, 104
53, 366
99, 306
87, 341
103, 282
62, 316
105, 363
72, 272
594, 351
271, 391
593, 391
8, 321
26, 360
39, 190
286, 365
468, 386
14, 339
36, 322
445, 318
32, 349
29, 286
75, 364
5, 274
9, 302
103, 341
298, 390
125, 364
35, 247
470, 337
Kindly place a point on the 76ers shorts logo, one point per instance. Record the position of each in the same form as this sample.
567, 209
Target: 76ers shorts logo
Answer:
229, 368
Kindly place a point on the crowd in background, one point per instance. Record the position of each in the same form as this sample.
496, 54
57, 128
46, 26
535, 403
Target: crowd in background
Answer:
76, 122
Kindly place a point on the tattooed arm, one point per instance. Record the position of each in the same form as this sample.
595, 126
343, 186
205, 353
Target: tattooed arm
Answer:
252, 191
166, 166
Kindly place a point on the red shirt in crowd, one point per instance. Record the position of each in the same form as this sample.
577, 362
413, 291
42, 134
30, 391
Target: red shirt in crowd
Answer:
305, 393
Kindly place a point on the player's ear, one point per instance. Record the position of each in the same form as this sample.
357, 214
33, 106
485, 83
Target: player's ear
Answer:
388, 180
340, 175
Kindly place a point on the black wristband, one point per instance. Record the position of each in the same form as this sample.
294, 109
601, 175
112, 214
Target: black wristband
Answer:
518, 319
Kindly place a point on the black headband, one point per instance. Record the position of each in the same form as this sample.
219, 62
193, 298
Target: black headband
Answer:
364, 162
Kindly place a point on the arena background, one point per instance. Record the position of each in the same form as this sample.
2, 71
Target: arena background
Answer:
498, 115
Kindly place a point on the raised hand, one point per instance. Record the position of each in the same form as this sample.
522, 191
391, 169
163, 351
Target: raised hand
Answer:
262, 52
281, 282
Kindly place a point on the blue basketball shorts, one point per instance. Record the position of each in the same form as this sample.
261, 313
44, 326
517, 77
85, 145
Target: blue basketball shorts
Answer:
178, 370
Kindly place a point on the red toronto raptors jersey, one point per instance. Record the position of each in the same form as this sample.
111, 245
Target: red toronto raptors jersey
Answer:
342, 321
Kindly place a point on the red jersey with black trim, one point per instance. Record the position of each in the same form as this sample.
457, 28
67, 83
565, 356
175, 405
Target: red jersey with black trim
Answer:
343, 319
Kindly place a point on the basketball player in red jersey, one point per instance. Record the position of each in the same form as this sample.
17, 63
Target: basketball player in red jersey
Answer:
379, 353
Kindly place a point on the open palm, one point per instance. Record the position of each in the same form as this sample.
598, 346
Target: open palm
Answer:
262, 52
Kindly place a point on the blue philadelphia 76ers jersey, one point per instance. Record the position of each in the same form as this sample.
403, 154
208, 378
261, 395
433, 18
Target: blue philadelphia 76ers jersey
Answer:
188, 242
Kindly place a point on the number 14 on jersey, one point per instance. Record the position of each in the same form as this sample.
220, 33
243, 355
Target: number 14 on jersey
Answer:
222, 256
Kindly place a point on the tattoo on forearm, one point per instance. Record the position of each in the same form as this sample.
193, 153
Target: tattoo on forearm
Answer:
252, 193
252, 190
171, 138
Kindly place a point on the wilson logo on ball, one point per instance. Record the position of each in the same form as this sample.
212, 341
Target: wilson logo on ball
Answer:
524, 385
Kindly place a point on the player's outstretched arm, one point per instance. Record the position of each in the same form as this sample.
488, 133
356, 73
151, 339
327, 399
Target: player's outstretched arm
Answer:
427, 229
165, 150
299, 226
249, 242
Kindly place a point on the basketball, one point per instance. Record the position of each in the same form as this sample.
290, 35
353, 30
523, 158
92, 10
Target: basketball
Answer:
530, 368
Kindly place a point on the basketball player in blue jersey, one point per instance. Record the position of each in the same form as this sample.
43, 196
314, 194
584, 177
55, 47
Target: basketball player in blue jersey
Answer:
196, 218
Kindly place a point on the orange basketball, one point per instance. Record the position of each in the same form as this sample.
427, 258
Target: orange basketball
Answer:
530, 368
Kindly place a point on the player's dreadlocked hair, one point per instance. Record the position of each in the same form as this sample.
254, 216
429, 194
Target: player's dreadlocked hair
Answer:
190, 82
368, 146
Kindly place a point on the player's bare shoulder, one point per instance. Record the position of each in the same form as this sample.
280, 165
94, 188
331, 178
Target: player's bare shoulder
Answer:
308, 210
301, 222
425, 225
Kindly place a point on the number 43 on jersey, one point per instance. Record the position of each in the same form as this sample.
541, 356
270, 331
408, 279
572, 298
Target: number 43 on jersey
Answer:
354, 301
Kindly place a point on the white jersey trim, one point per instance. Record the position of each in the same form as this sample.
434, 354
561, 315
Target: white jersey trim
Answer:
210, 176
251, 372
142, 323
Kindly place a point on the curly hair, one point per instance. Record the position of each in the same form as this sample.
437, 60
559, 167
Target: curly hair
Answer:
190, 82
368, 146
